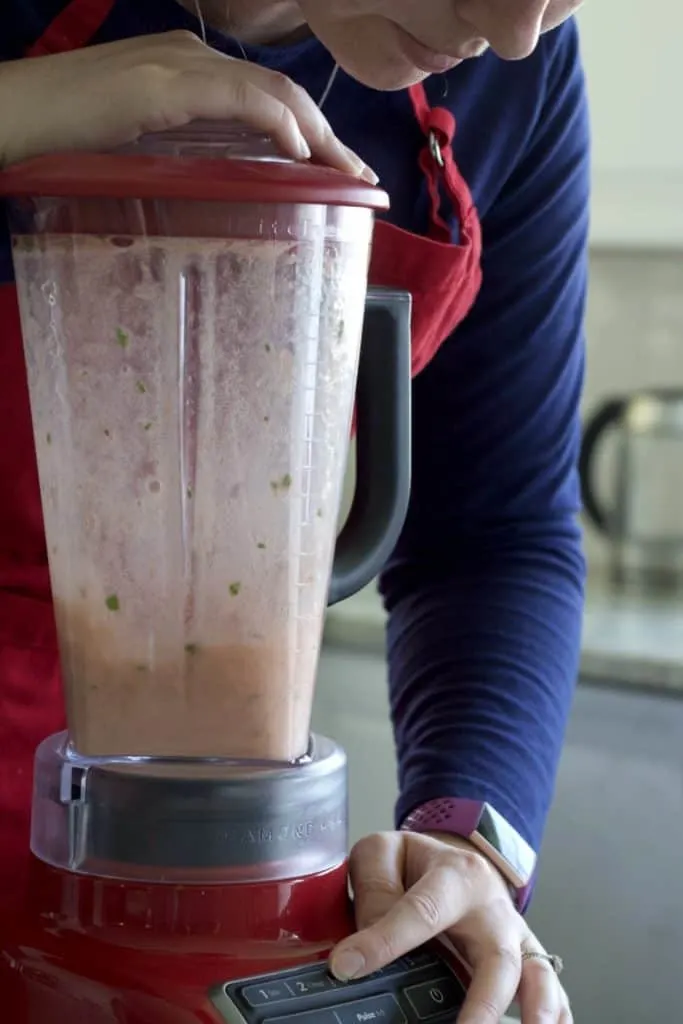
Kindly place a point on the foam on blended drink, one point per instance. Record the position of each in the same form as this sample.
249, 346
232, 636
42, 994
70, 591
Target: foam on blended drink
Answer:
191, 403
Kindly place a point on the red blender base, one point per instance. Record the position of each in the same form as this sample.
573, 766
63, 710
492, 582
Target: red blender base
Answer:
95, 951
166, 892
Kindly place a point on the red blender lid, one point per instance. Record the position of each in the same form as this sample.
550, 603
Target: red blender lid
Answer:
196, 168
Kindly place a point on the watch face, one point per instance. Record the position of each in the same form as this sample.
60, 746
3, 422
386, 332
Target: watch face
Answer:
505, 846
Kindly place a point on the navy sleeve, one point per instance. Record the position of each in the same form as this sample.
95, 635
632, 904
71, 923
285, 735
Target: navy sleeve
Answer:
485, 589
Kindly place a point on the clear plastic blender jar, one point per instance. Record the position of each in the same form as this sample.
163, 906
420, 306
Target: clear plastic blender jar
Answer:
192, 311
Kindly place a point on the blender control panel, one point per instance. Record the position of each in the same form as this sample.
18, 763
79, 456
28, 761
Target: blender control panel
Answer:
418, 987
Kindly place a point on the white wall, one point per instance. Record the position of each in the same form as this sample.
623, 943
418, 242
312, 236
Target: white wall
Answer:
632, 57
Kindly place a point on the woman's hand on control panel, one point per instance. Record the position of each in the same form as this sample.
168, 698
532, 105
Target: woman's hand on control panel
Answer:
105, 96
410, 888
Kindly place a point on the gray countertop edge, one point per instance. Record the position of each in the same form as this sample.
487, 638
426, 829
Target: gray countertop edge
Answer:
365, 634
614, 669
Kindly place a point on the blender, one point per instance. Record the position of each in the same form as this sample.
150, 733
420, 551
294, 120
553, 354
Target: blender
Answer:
197, 326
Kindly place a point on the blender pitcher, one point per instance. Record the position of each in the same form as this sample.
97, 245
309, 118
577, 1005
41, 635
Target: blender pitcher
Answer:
192, 309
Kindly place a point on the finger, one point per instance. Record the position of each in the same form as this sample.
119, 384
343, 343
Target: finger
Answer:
492, 989
311, 122
210, 96
376, 873
315, 127
424, 911
292, 117
566, 1017
376, 868
541, 996
494, 953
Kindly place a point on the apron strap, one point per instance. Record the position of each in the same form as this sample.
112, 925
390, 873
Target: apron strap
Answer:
439, 167
73, 28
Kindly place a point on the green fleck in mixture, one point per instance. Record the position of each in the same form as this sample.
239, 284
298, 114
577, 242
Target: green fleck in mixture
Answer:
283, 484
141, 387
112, 603
235, 589
190, 648
122, 337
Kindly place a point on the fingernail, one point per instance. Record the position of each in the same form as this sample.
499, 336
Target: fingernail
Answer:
359, 166
369, 175
304, 149
347, 964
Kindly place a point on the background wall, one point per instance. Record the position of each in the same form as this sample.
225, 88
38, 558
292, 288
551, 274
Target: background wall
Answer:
634, 332
631, 54
634, 339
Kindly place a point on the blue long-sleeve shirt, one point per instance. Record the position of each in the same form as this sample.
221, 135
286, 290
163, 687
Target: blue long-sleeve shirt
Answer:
484, 590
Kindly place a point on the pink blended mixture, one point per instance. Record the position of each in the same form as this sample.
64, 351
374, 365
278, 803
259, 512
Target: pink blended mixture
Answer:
191, 404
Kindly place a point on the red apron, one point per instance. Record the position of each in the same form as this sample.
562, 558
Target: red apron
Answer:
444, 280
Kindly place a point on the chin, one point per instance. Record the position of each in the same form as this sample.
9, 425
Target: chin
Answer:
385, 79
380, 66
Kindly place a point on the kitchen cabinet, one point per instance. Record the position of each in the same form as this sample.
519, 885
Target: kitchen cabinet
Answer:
634, 71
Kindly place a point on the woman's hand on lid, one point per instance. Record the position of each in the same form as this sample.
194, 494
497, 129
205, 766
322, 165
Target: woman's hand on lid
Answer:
105, 96
411, 888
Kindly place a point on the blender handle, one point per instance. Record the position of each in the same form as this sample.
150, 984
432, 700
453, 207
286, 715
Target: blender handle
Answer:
383, 445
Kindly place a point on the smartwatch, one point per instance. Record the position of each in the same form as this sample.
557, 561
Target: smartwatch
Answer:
488, 831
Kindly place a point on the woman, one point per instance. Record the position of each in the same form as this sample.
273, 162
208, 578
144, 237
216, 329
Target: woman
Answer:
484, 590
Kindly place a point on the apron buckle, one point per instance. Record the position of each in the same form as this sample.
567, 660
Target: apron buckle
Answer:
435, 148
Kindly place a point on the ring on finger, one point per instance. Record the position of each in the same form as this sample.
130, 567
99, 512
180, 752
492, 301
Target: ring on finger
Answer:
553, 959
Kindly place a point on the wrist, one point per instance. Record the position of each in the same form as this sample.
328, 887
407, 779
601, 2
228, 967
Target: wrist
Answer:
460, 843
477, 823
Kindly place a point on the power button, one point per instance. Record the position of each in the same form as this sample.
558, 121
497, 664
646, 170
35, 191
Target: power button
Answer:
431, 998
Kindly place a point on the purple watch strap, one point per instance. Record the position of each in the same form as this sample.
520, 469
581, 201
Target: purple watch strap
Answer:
460, 817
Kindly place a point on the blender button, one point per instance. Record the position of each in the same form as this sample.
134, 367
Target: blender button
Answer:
381, 1009
265, 993
322, 1016
431, 998
312, 983
419, 958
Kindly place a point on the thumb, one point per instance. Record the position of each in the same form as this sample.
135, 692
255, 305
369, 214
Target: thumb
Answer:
376, 870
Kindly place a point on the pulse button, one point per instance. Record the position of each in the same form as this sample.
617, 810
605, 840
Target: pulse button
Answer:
431, 998
380, 1009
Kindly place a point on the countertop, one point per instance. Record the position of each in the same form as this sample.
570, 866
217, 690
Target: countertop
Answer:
633, 639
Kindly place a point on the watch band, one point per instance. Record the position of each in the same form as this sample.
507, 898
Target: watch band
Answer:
487, 830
